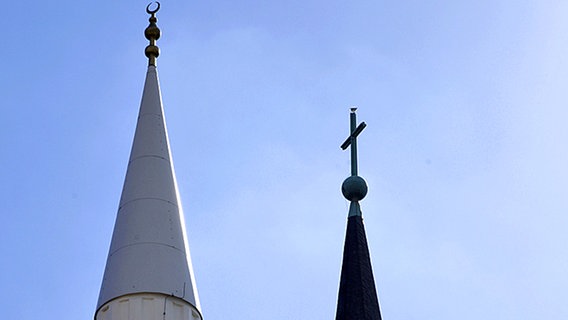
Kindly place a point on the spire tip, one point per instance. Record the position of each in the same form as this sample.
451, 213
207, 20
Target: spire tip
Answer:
152, 33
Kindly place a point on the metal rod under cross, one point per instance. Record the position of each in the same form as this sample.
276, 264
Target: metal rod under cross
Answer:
352, 140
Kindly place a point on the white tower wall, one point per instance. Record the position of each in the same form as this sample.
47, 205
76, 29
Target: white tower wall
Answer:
148, 306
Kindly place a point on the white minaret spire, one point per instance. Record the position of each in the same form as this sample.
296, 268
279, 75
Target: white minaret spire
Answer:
149, 275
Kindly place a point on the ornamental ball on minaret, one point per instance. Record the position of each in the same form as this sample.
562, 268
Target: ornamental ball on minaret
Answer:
152, 32
152, 51
354, 188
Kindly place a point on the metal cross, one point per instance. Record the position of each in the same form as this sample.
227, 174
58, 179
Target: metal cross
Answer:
352, 140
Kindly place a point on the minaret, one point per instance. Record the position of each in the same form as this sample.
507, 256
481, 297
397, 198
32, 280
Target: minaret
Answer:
357, 299
148, 274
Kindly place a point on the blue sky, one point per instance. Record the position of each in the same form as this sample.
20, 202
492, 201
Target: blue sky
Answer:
465, 151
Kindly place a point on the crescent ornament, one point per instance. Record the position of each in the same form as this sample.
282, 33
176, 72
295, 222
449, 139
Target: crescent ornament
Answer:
155, 10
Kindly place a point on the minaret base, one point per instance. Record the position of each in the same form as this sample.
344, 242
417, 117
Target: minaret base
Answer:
147, 306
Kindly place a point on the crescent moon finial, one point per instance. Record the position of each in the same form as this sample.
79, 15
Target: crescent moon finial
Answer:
153, 11
152, 33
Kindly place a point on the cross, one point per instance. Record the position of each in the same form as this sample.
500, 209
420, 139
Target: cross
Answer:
352, 140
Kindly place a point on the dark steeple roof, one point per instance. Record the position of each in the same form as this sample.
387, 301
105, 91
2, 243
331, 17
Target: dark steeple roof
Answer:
357, 298
357, 293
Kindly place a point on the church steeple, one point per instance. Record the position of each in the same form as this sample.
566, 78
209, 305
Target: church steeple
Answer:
357, 298
149, 274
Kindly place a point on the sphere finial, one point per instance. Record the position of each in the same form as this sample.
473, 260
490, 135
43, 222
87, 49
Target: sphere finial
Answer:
354, 188
152, 33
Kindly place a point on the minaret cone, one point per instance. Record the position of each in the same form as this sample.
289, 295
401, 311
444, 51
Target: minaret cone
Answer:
149, 274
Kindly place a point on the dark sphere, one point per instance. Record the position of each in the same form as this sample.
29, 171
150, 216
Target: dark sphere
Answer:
354, 188
152, 51
152, 32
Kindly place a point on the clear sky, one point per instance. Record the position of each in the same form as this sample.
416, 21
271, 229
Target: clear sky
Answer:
465, 152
